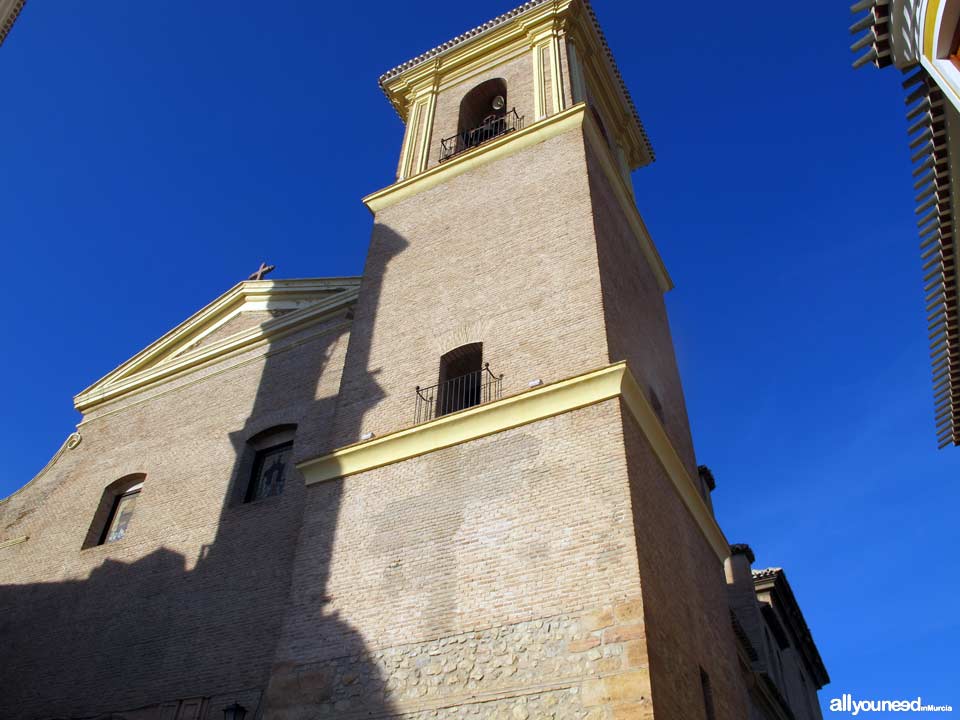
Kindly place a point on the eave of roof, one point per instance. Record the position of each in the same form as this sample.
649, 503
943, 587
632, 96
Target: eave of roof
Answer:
775, 581
876, 39
9, 17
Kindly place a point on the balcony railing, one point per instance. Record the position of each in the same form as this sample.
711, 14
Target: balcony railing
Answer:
458, 393
492, 127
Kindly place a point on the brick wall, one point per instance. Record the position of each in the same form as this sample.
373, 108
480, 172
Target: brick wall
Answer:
504, 255
684, 595
189, 603
495, 576
635, 313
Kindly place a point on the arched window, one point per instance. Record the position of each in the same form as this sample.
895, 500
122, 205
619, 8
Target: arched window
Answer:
268, 459
485, 103
484, 115
111, 521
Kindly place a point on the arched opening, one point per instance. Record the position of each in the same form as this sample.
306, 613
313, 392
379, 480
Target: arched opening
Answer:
465, 380
485, 103
111, 521
484, 115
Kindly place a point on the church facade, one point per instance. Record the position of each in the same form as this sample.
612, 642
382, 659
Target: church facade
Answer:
460, 486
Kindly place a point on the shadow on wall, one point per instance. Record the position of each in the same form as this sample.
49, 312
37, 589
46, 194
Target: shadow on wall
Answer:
322, 665
154, 640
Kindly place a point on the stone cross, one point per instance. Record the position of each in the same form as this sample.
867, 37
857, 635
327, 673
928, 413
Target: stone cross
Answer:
263, 270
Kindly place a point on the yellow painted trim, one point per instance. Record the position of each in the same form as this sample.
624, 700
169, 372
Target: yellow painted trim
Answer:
520, 34
531, 406
930, 27
406, 153
514, 142
502, 147
639, 406
539, 84
14, 541
427, 132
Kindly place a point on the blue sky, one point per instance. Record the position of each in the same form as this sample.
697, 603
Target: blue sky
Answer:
154, 154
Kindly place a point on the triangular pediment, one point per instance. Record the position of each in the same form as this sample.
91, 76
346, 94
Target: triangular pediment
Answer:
249, 313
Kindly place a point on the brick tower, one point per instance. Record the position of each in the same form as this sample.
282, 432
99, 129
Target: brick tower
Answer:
506, 519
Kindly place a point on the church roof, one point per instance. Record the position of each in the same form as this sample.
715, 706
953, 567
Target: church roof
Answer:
251, 313
9, 11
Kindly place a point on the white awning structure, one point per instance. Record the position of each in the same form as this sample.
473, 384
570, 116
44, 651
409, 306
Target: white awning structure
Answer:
891, 37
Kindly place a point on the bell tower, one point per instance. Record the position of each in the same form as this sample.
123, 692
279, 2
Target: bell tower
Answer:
522, 530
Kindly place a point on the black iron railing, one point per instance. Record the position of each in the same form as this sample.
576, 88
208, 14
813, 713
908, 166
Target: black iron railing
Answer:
457, 393
492, 127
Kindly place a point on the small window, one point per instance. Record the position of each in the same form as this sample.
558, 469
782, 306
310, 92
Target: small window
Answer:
265, 464
111, 521
709, 712
123, 507
269, 471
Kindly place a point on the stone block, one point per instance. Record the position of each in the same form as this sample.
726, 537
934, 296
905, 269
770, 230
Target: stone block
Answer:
623, 633
597, 620
577, 646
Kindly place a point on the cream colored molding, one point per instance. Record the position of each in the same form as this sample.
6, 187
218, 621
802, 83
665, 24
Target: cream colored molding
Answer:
406, 153
539, 82
557, 84
309, 301
550, 22
486, 66
514, 142
223, 366
531, 406
505, 38
14, 541
427, 130
502, 147
624, 194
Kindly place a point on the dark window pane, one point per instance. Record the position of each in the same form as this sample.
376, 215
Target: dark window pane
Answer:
269, 472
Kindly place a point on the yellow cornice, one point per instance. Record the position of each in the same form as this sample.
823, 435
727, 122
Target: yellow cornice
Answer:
503, 146
929, 29
504, 38
613, 381
512, 143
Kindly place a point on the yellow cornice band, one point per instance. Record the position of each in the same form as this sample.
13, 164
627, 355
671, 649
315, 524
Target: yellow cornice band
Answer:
929, 28
514, 142
531, 406
503, 146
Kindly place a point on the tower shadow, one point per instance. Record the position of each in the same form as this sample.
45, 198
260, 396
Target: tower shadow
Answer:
168, 636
